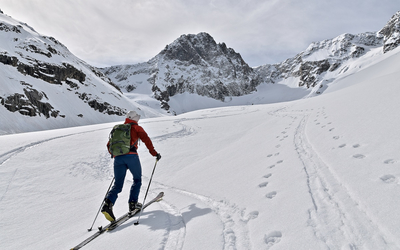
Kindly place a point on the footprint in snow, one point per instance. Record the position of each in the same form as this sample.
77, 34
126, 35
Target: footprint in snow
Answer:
356, 145
271, 195
278, 162
272, 166
336, 137
269, 155
389, 161
359, 156
267, 175
388, 178
272, 238
264, 184
251, 216
342, 146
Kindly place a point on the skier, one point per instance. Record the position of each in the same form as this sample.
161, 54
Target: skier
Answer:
128, 161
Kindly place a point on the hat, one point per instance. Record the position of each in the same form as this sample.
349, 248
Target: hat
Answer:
132, 115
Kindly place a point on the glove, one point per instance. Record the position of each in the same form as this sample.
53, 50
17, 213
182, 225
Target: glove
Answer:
158, 156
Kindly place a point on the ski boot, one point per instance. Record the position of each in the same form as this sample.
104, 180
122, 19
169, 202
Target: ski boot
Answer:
107, 210
133, 206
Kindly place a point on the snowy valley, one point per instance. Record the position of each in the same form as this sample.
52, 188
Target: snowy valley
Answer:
288, 172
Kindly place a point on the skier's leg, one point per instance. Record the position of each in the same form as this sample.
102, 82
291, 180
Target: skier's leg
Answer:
136, 169
120, 168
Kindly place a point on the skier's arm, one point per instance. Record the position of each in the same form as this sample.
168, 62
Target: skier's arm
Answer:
145, 138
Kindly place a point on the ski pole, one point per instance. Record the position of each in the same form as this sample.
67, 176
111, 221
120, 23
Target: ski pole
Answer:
148, 187
90, 229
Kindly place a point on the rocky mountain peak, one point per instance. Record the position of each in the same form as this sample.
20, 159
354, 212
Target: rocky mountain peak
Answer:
200, 49
193, 64
391, 33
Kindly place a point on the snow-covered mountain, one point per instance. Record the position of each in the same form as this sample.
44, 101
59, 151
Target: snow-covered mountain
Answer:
43, 85
195, 65
324, 61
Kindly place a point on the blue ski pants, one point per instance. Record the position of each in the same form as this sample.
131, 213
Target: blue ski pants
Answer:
121, 164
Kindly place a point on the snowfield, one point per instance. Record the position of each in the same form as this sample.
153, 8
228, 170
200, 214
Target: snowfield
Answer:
317, 173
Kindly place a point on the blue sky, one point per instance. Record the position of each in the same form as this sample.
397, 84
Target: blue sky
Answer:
107, 32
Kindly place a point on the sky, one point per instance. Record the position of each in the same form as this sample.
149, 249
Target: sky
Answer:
106, 32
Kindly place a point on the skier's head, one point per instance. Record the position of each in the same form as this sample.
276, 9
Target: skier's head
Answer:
132, 115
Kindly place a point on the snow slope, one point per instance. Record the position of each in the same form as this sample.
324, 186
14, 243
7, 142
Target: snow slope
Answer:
44, 86
317, 173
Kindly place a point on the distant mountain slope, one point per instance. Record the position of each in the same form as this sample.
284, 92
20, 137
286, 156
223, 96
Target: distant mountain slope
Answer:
195, 66
327, 59
43, 85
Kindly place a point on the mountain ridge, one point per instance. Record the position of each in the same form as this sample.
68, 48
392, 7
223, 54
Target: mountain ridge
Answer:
196, 64
46, 86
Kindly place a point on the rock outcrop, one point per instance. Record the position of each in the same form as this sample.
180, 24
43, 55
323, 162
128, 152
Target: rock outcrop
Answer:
33, 56
193, 64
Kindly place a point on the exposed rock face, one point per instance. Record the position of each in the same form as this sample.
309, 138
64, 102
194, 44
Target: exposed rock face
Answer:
197, 64
391, 33
309, 66
102, 107
191, 64
50, 73
30, 103
38, 59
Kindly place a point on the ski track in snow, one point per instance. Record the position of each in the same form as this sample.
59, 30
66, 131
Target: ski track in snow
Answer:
8, 185
11, 153
183, 132
233, 219
174, 238
337, 217
14, 152
18, 150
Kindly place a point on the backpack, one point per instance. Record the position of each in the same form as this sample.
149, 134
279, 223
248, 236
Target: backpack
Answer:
120, 140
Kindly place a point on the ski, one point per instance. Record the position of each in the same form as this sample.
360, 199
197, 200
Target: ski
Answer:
122, 220
117, 222
131, 214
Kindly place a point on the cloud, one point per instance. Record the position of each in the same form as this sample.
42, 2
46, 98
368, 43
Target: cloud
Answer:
106, 32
